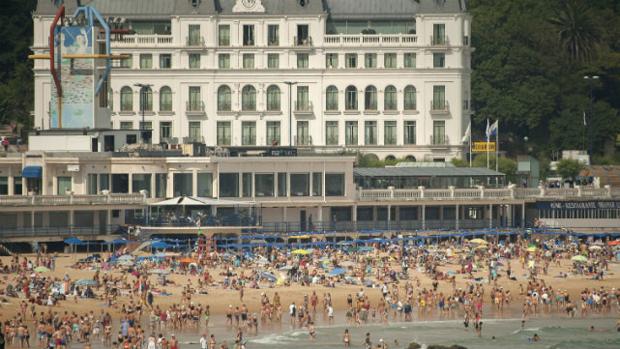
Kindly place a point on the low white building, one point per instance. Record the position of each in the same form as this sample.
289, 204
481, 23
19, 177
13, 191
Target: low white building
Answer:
389, 77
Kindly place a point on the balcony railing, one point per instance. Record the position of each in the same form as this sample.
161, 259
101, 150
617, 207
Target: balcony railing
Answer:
374, 40
302, 41
439, 40
151, 40
307, 140
303, 107
439, 140
195, 41
440, 106
193, 139
481, 193
60, 200
195, 107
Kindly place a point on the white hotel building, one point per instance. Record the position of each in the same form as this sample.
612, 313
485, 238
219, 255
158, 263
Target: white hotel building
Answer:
387, 77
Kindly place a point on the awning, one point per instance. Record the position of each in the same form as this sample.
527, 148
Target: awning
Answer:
32, 172
200, 201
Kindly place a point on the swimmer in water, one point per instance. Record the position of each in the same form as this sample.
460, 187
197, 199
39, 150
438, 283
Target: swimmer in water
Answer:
311, 331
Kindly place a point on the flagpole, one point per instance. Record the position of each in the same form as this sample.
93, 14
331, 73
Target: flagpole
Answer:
487, 134
497, 147
470, 147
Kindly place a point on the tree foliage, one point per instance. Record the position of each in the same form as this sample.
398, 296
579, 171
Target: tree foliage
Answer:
569, 168
506, 165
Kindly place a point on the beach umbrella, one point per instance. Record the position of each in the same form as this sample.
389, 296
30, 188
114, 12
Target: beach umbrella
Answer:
579, 258
301, 252
531, 249
41, 269
73, 241
159, 244
187, 260
86, 282
268, 276
478, 241
337, 271
614, 243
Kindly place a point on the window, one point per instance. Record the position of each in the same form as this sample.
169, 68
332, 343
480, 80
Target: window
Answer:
410, 98
370, 132
92, 184
273, 61
223, 133
146, 99
303, 133
127, 62
389, 133
264, 184
389, 98
165, 130
303, 37
409, 132
302, 61
223, 35
17, 185
331, 132
389, 60
282, 184
351, 98
273, 133
439, 132
334, 184
146, 61
370, 98
246, 182
248, 61
194, 38
223, 61
205, 184
303, 98
439, 97
224, 98
182, 184
195, 102
64, 185
126, 99
131, 139
146, 125
104, 181
4, 185
165, 99
248, 35
165, 61
351, 60
126, 125
439, 60
273, 98
140, 181
194, 131
194, 61
248, 98
300, 184
248, 133
370, 60
120, 183
439, 34
409, 60
273, 35
331, 96
161, 185
331, 60
317, 184
350, 133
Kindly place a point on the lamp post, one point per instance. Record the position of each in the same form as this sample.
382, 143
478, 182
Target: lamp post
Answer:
590, 79
143, 88
290, 112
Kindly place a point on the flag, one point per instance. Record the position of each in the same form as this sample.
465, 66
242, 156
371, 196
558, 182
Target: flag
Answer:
492, 130
584, 119
487, 130
467, 134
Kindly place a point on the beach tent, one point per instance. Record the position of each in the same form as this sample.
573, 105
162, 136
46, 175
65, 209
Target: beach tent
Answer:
478, 241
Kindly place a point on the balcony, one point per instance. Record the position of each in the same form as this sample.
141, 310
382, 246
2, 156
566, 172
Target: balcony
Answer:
354, 40
138, 40
303, 141
439, 140
440, 107
195, 108
439, 41
63, 200
304, 108
302, 42
193, 139
195, 41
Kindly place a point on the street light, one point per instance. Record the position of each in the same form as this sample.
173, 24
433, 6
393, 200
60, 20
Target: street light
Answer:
290, 112
590, 79
143, 88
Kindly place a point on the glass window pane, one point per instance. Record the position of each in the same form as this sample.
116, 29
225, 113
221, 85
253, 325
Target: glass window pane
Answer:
332, 98
389, 133
264, 184
334, 184
331, 132
161, 185
273, 133
182, 184
282, 184
273, 61
17, 185
224, 35
273, 35
370, 132
350, 133
317, 184
205, 184
64, 185
4, 185
248, 133
104, 181
300, 184
223, 133
410, 136
141, 181
229, 185
246, 179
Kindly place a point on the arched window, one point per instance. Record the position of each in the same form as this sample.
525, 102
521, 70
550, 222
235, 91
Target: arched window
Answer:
224, 98
410, 158
390, 158
248, 98
410, 98
389, 98
165, 99
273, 98
351, 98
126, 99
331, 96
146, 99
370, 98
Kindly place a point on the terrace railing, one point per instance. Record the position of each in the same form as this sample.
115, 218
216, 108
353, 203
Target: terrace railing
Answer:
62, 200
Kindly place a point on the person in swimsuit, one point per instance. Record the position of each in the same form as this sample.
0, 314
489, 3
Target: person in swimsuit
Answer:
346, 338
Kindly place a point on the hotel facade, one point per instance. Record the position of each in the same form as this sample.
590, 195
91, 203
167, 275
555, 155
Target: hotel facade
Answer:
389, 77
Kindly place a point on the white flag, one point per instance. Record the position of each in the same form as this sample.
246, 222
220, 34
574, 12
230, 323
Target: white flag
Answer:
584, 119
467, 135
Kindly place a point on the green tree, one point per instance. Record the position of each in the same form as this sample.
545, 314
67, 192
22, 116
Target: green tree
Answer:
506, 166
569, 168
577, 29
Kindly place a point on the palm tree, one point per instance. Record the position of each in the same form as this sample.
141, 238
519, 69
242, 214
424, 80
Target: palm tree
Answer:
578, 31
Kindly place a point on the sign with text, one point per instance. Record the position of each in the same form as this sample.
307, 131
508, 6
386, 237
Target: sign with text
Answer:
483, 147
578, 205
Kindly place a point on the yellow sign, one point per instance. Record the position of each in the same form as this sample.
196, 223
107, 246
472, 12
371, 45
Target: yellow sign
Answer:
483, 147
